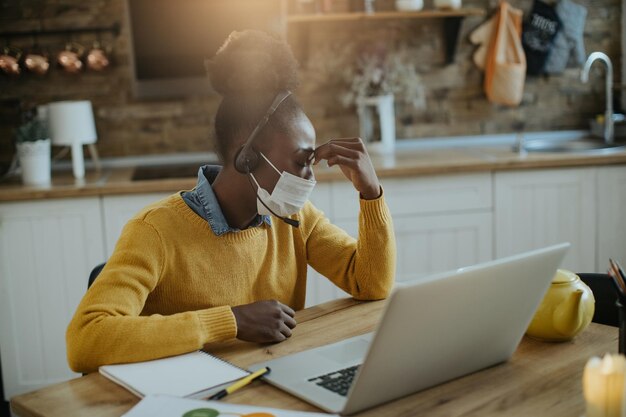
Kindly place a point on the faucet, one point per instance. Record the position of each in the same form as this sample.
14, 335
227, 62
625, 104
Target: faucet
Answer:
519, 147
609, 118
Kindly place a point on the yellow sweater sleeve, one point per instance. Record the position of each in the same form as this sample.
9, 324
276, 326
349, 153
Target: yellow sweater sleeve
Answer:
364, 267
107, 326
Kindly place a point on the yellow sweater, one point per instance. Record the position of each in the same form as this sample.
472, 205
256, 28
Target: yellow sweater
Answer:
168, 287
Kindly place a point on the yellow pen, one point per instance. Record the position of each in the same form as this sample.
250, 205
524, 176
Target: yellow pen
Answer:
240, 384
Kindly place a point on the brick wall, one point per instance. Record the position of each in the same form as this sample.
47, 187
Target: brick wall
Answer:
455, 103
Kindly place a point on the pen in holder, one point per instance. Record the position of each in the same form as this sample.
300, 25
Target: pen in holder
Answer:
621, 309
619, 282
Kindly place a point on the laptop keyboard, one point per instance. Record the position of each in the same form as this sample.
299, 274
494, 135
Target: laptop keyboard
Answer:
337, 381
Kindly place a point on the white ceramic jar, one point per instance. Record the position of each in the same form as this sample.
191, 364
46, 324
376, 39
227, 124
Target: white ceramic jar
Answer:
447, 4
409, 5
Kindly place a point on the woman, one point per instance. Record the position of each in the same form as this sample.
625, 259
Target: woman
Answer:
229, 258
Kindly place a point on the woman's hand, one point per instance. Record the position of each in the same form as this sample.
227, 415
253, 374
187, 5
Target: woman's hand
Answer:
264, 321
351, 156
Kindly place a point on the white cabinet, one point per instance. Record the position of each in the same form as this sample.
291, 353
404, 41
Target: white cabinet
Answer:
543, 207
427, 244
611, 200
421, 195
318, 288
47, 249
119, 209
440, 222
438, 243
321, 197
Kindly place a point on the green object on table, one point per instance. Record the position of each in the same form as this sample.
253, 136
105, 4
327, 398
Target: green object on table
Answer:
202, 412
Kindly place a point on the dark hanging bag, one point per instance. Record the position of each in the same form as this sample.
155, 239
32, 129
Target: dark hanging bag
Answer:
539, 31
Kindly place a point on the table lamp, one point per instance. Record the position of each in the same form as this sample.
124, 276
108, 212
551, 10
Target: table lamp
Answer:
71, 123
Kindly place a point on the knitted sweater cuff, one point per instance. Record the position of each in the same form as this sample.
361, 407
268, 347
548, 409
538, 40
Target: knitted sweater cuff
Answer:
218, 324
375, 212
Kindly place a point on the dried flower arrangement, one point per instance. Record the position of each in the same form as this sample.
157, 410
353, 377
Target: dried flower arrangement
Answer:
383, 72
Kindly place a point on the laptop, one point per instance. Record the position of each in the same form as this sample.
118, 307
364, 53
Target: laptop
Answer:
432, 330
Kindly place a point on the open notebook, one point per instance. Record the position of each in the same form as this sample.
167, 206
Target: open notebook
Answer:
193, 375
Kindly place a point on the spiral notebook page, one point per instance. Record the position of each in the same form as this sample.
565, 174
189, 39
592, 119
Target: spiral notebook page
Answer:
181, 376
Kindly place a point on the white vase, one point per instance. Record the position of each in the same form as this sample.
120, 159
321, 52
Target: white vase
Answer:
34, 158
381, 108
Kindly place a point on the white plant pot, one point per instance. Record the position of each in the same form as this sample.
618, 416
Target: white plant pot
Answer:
34, 158
381, 107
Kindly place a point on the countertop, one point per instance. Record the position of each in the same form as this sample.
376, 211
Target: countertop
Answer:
403, 162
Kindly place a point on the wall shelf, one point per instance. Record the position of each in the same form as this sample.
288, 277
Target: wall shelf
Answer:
114, 29
451, 23
352, 16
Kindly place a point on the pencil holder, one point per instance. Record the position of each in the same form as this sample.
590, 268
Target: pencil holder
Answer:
621, 308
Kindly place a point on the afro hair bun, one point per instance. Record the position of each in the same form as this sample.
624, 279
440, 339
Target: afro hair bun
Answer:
252, 62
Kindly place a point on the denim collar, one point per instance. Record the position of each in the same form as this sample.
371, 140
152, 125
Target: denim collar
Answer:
203, 202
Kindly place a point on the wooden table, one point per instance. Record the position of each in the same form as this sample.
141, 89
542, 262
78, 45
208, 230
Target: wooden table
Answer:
542, 379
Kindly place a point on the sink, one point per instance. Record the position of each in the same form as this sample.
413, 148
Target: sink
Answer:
582, 145
158, 172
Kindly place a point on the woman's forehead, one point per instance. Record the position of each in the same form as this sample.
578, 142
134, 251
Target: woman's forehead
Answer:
299, 136
303, 132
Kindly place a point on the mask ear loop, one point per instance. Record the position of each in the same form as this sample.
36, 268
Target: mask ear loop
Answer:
255, 181
272, 165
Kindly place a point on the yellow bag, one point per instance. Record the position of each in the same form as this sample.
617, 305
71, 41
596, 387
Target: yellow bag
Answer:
505, 67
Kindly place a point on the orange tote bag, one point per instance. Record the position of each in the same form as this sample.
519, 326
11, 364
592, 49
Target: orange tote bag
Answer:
505, 69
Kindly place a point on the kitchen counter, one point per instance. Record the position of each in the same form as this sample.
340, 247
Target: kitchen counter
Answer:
403, 162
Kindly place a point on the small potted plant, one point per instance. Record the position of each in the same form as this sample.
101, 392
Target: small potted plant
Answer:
32, 142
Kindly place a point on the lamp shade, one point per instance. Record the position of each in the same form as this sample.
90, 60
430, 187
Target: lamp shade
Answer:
71, 122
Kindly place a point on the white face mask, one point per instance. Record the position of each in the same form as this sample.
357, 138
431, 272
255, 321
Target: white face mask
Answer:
289, 196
